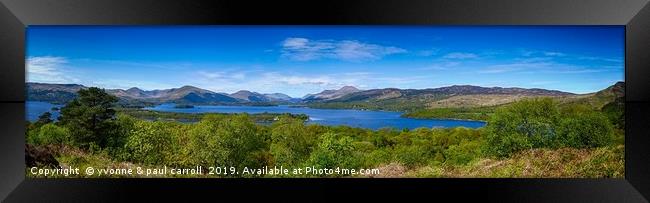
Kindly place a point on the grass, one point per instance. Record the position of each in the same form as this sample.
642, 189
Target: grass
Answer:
70, 156
477, 100
469, 113
604, 162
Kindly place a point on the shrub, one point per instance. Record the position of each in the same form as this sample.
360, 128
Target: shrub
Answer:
43, 119
149, 142
49, 134
230, 141
589, 129
333, 152
411, 156
378, 157
615, 111
384, 137
462, 153
291, 142
539, 123
521, 125
119, 135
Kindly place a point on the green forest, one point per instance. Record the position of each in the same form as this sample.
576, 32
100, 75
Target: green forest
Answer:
534, 137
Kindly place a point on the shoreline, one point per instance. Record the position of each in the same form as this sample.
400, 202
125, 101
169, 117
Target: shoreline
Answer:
454, 119
402, 114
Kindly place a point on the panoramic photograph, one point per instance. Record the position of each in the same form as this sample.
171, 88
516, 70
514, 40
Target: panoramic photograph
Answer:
325, 102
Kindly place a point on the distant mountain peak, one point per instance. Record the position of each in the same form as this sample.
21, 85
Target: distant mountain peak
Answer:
619, 84
243, 92
278, 96
347, 93
617, 90
249, 96
188, 87
134, 89
348, 88
332, 94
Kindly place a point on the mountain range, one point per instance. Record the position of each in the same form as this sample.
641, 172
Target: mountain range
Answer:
185, 94
62, 93
456, 95
331, 94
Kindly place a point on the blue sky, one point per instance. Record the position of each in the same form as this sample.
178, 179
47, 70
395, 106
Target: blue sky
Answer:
297, 60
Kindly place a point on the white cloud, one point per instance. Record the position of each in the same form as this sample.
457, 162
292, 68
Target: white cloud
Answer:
227, 74
239, 76
543, 82
46, 65
601, 59
295, 42
502, 68
429, 52
441, 66
47, 69
541, 67
396, 80
126, 84
359, 74
211, 75
528, 53
461, 55
551, 53
535, 59
288, 79
302, 49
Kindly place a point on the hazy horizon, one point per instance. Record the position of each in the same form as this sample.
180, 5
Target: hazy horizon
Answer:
308, 93
300, 60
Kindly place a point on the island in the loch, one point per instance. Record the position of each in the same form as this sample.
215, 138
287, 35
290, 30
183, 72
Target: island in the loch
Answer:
183, 106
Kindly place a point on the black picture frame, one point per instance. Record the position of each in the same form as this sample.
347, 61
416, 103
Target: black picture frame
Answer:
15, 15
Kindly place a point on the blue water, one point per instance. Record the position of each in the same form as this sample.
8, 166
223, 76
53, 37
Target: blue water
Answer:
332, 117
36, 108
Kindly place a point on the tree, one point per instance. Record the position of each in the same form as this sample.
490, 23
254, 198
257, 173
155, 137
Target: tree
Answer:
615, 111
291, 142
43, 119
49, 134
150, 142
90, 117
332, 152
119, 135
585, 128
462, 153
227, 141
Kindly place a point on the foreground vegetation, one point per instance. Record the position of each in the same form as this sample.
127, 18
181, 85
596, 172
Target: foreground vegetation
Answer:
465, 113
529, 138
